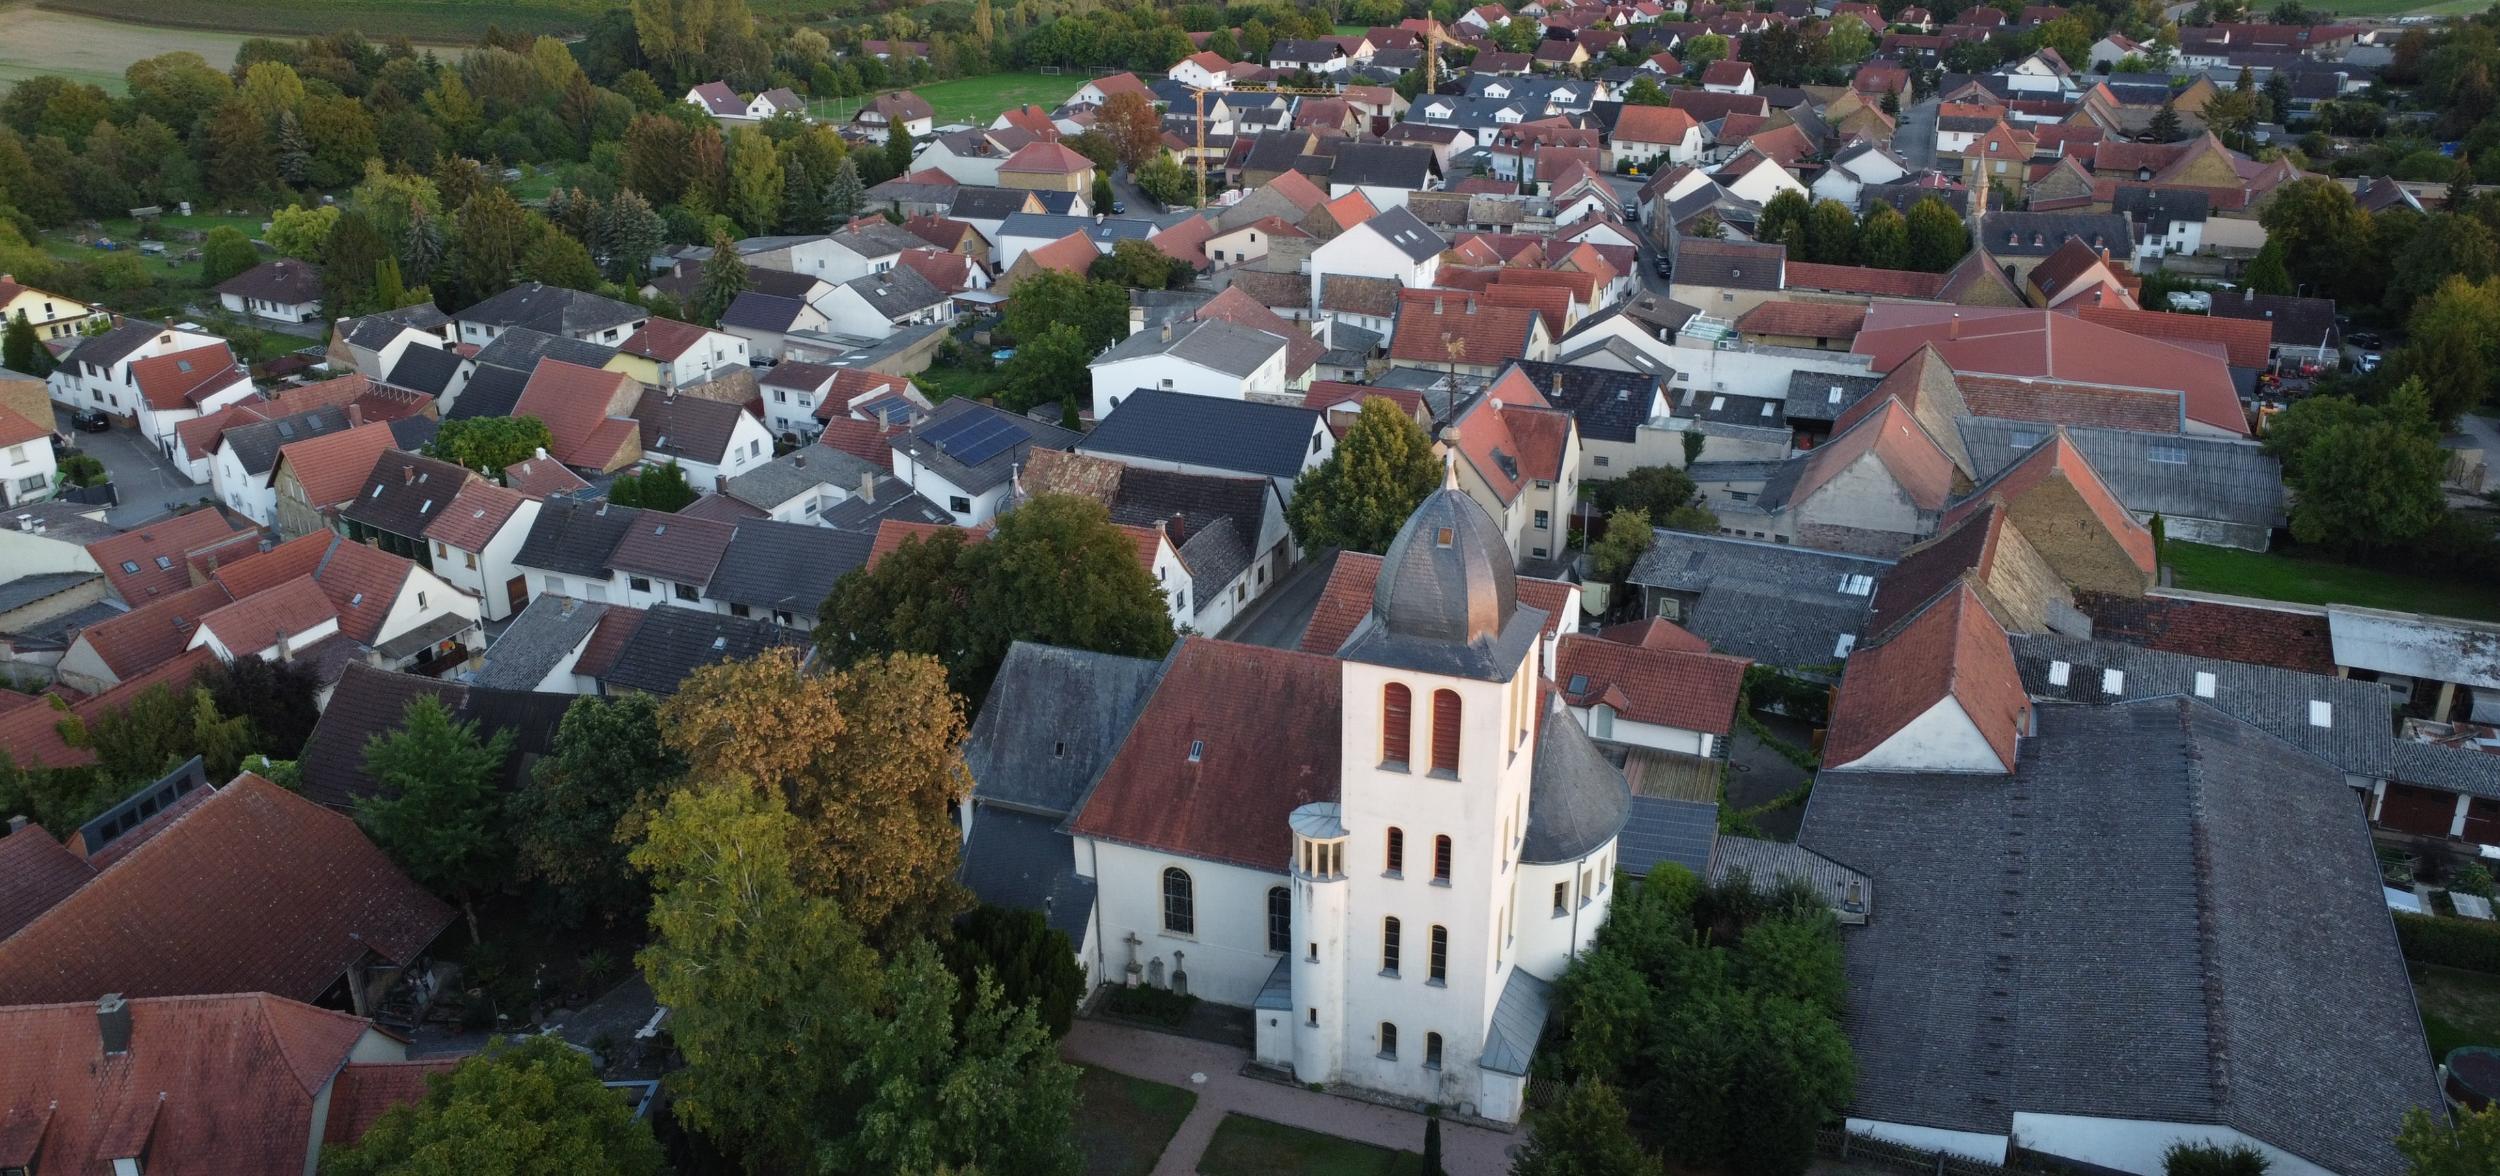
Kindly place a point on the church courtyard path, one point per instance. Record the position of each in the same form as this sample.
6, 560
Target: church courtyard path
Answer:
1160, 1057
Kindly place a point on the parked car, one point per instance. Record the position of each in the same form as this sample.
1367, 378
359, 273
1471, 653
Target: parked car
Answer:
2367, 340
1118, 207
91, 420
2369, 361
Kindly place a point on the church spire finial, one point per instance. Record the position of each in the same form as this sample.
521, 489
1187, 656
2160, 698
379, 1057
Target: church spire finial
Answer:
1449, 469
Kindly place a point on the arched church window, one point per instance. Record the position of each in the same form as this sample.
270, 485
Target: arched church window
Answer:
1180, 902
1445, 718
1441, 858
1440, 953
1279, 919
1389, 945
1397, 850
1397, 725
1432, 1051
1388, 1041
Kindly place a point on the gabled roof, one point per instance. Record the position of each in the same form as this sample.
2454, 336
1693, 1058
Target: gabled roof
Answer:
2046, 348
943, 441
331, 468
475, 515
1820, 320
36, 873
131, 643
554, 309
1202, 775
1894, 438
2245, 343
672, 547
1952, 650
673, 642
285, 281
278, 616
575, 403
1736, 265
1670, 687
204, 906
152, 561
686, 428
405, 493
1438, 327
663, 339
1213, 343
2054, 462
1249, 436
574, 537
1047, 157
181, 379
790, 567
540, 477
1407, 233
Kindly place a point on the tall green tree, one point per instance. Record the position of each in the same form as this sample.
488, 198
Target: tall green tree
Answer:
2266, 273
493, 234
654, 487
755, 181
276, 697
2362, 476
528, 1104
1937, 237
583, 809
1831, 234
225, 252
439, 811
1783, 217
1033, 964
489, 444
1884, 238
1586, 1132
559, 260
2445, 245
2322, 230
348, 265
846, 196
2454, 350
724, 278
1051, 365
1360, 496
21, 351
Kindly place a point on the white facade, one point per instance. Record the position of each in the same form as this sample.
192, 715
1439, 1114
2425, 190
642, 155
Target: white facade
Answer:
285, 312
715, 351
254, 496
1603, 723
968, 508
1198, 77
974, 171
1941, 739
488, 574
1361, 252
1113, 381
27, 473
849, 312
423, 598
750, 446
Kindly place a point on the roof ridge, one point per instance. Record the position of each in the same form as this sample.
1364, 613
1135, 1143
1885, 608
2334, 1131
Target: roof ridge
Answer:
2218, 1060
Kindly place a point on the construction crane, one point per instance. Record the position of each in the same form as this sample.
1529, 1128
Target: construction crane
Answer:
1434, 39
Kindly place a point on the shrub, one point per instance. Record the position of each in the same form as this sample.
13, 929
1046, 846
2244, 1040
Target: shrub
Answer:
1160, 1005
2211, 1159
2471, 878
2456, 943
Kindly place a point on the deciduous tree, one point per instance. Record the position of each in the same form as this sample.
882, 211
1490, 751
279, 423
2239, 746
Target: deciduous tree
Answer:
1360, 496
2321, 229
1884, 238
528, 1104
489, 444
2362, 476
276, 697
493, 235
1135, 130
587, 801
1937, 238
1586, 1132
301, 232
22, 351
2465, 1149
654, 487
439, 810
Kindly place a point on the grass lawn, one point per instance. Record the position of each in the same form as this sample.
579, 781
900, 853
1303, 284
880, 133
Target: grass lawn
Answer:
179, 280
1244, 1146
2277, 576
2458, 1007
942, 383
1125, 1122
2403, 7
976, 100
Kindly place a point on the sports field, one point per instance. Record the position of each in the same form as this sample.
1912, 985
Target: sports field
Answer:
972, 100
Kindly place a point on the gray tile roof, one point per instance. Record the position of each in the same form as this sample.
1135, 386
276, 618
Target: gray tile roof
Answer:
1383, 165
1662, 830
799, 471
2194, 477
1609, 405
2038, 234
1251, 437
1777, 604
538, 640
1054, 720
1518, 1022
1823, 396
520, 348
1767, 864
988, 203
25, 590
893, 500
673, 642
1576, 800
256, 445
761, 312
787, 567
1407, 232
1050, 227
1209, 343
490, 392
1023, 862
575, 537
553, 309
1734, 265
2358, 738
2164, 915
425, 369
897, 292
686, 428
994, 469
113, 346
2448, 769
404, 493
373, 330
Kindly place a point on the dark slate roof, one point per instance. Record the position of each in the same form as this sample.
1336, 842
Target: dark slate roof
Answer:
987, 203
2298, 322
1209, 431
1408, 232
1053, 722
2448, 769
373, 330
413, 433
894, 500
425, 369
520, 348
1822, 396
370, 702
1383, 165
553, 309
1734, 265
2193, 932
2358, 737
575, 537
686, 428
995, 465
2152, 209
2183, 476
256, 445
404, 493
490, 392
1609, 405
758, 311
1777, 604
1576, 800
673, 642
2050, 230
25, 590
786, 566
113, 346
896, 292
538, 639
1448, 605
1023, 862
1218, 518
1662, 830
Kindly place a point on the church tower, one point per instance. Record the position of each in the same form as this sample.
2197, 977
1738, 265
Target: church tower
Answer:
1440, 697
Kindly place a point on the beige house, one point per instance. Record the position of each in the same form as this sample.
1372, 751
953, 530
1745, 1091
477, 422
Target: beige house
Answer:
1047, 166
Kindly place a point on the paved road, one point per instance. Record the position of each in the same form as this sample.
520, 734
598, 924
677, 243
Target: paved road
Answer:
1277, 619
146, 482
1914, 140
1214, 1072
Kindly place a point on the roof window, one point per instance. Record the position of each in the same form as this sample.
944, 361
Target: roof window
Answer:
1197, 750
2204, 684
1579, 684
1847, 642
2113, 681
2321, 714
2167, 455
2060, 673
1855, 585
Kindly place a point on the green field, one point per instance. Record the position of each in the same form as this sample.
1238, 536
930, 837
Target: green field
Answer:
2458, 1007
1126, 1122
974, 100
2404, 7
2276, 576
1244, 1146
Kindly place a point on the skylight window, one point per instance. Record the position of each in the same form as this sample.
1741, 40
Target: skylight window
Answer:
1854, 585
2020, 439
1579, 684
2204, 684
1847, 642
2166, 455
2060, 673
1717, 403
164, 563
2321, 714
1835, 397
1197, 750
2113, 681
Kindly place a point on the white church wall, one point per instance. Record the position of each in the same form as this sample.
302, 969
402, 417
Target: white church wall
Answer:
1977, 1145
1550, 934
2136, 1145
1227, 956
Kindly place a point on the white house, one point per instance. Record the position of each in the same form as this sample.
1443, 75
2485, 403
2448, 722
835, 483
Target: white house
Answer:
26, 462
718, 100
1203, 71
1396, 245
285, 290
873, 306
775, 102
708, 439
1728, 77
1648, 135
1650, 684
96, 373
475, 540
1853, 168
670, 355
967, 157
1756, 177
1203, 357
965, 455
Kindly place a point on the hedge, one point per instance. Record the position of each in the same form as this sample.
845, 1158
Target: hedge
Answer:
2457, 943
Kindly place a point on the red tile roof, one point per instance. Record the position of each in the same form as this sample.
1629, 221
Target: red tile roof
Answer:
583, 409
1048, 157
1952, 650
1072, 254
1817, 320
616, 627
662, 339
1859, 279
1967, 548
948, 271
363, 583
1653, 124
133, 642
862, 439
332, 467
1326, 394
1348, 596
475, 514
213, 1085
539, 477
2062, 348
1669, 687
1893, 437
894, 533
2290, 637
1234, 739
366, 1089
261, 571
32, 734
36, 873
1240, 309
201, 434
1351, 209
181, 379
1655, 633
1430, 321
279, 616
2057, 462
255, 890
2245, 342
151, 560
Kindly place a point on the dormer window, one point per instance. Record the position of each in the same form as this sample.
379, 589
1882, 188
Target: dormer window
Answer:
1442, 537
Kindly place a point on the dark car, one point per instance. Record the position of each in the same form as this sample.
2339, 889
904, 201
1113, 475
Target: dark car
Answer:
1119, 206
2364, 339
1666, 266
91, 420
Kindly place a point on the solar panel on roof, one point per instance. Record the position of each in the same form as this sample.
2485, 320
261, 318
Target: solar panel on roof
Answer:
977, 439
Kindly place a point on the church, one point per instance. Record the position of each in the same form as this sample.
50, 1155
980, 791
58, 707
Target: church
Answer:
1387, 854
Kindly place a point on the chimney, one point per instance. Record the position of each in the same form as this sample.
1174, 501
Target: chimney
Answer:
868, 487
720, 483
15, 823
112, 1022
355, 415
1174, 527
539, 454
2248, 294
1953, 326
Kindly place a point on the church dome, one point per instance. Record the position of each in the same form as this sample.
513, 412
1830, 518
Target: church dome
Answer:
1448, 575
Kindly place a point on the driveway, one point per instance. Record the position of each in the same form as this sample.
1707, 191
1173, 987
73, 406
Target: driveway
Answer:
147, 484
1914, 140
1277, 619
